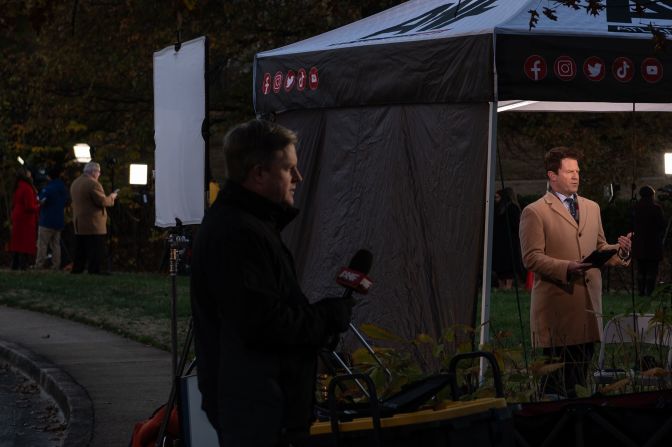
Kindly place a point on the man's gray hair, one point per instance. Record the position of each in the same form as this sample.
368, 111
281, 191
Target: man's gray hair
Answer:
91, 167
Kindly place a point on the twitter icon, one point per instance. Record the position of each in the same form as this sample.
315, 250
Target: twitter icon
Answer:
593, 68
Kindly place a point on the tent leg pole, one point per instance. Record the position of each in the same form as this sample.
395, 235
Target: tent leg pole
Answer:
487, 237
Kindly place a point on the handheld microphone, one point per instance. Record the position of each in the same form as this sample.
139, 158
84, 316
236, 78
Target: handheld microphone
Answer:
353, 277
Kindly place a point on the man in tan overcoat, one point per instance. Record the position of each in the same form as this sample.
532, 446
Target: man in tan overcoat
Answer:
556, 233
89, 219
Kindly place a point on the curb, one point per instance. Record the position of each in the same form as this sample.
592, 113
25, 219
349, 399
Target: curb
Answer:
71, 397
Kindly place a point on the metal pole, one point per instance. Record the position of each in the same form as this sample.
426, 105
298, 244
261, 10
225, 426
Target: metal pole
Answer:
371, 351
487, 237
173, 305
349, 371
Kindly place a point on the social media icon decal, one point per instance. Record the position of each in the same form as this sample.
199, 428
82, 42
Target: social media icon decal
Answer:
623, 69
652, 70
277, 82
301, 79
313, 78
266, 84
290, 80
564, 68
594, 69
298, 80
535, 68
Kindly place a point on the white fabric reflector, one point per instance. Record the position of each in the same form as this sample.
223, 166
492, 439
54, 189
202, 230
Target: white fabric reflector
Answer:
179, 111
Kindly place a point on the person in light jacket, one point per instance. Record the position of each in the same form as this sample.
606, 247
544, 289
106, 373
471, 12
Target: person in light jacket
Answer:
556, 232
89, 203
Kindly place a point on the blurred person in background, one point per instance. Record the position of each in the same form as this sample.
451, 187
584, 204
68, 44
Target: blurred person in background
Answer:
89, 204
506, 258
53, 198
647, 240
25, 208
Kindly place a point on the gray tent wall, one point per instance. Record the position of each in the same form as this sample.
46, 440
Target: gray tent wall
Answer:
394, 160
407, 183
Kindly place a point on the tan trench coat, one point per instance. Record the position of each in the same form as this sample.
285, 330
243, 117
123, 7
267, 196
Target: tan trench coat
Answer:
88, 206
564, 311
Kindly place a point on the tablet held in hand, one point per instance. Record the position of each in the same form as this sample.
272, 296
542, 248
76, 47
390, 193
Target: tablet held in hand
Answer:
598, 258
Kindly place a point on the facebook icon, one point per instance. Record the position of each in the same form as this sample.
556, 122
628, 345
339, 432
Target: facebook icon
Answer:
535, 68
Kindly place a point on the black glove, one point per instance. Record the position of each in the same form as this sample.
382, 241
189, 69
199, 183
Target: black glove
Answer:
337, 313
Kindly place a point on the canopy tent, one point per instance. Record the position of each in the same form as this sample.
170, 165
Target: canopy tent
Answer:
397, 121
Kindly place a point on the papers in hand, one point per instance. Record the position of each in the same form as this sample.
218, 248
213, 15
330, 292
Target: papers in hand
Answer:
598, 258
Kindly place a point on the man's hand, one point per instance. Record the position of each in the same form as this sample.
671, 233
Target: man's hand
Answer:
625, 244
577, 268
338, 312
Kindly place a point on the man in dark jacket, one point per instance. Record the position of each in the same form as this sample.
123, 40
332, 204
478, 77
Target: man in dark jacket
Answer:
647, 242
53, 199
256, 334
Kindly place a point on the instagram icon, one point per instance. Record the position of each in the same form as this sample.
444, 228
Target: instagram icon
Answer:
564, 68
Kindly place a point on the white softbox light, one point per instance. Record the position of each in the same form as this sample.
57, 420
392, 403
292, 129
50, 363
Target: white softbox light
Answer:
137, 174
179, 111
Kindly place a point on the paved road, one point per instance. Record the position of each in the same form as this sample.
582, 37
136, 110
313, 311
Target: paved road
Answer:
126, 381
29, 416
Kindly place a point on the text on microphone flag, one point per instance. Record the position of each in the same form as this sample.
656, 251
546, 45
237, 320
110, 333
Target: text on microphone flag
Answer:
352, 279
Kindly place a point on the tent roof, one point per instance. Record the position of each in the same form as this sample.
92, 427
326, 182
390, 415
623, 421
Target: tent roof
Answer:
418, 20
438, 51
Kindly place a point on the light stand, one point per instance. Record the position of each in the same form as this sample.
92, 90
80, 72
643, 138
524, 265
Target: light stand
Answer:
667, 158
137, 177
178, 243
110, 163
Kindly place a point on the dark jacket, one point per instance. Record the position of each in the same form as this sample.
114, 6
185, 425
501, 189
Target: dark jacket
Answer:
256, 335
54, 196
506, 257
647, 242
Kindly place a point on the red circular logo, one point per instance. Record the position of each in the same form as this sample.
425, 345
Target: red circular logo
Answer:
652, 70
535, 68
290, 80
594, 69
623, 69
266, 84
313, 78
301, 79
277, 82
564, 68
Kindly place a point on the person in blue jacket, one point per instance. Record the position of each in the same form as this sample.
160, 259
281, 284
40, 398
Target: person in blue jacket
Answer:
53, 198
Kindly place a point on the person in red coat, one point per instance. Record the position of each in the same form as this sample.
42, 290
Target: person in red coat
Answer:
25, 211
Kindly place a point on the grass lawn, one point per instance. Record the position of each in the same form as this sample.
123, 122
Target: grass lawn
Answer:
137, 305
504, 309
134, 305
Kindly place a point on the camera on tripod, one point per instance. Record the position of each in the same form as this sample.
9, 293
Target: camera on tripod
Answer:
664, 193
179, 245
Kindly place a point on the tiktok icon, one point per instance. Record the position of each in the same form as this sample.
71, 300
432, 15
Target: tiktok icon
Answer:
623, 69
